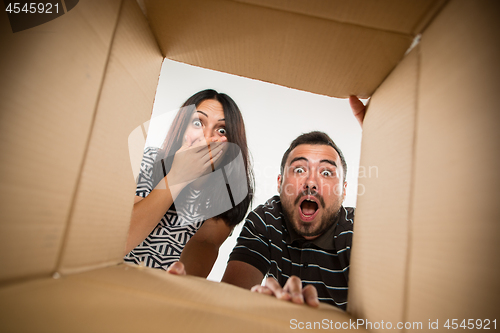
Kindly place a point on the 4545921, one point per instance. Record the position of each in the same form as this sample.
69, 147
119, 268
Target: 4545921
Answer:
470, 324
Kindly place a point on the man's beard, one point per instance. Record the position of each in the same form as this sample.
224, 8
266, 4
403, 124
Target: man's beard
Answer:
330, 214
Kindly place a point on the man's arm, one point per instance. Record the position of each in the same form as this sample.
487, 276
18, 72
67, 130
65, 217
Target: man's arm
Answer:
201, 251
246, 276
241, 274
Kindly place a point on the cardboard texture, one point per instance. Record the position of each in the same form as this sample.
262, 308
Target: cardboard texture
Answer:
403, 17
106, 183
51, 80
426, 231
454, 256
382, 227
133, 299
290, 46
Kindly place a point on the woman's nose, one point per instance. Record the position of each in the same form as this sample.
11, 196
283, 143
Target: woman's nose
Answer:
208, 134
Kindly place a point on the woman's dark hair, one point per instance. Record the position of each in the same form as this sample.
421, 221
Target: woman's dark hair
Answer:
236, 134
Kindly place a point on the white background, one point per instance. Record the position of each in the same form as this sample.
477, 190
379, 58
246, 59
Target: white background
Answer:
273, 115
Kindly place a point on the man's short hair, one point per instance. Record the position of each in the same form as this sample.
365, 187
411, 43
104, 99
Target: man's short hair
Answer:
313, 138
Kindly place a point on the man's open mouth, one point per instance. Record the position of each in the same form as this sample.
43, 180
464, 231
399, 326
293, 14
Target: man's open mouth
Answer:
308, 207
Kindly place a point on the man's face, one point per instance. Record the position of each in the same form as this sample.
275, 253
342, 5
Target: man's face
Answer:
312, 189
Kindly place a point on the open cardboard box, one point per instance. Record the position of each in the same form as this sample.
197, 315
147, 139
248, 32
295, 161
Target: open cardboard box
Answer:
426, 241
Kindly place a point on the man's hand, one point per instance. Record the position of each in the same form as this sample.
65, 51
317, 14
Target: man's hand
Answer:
177, 268
358, 108
292, 291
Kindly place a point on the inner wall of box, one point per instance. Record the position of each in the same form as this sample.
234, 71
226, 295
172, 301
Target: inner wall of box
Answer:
432, 131
431, 128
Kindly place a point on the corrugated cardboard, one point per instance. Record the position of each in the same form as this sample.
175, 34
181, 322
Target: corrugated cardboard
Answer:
378, 275
454, 255
51, 78
289, 43
405, 17
133, 299
426, 234
101, 211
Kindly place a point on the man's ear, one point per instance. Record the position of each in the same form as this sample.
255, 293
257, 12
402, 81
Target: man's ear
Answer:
279, 183
344, 189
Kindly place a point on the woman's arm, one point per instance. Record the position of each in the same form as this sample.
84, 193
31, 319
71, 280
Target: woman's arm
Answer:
191, 161
148, 211
202, 249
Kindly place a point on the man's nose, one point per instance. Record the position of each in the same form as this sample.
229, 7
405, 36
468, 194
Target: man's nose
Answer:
311, 183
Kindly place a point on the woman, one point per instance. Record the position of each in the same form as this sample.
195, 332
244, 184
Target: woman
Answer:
205, 150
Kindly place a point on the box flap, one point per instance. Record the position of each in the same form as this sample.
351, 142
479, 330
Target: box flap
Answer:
134, 299
333, 49
100, 216
51, 77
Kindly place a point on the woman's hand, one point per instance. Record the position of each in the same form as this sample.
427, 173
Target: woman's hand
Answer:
194, 159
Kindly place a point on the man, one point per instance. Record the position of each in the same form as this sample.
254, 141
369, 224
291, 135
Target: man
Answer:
302, 238
303, 232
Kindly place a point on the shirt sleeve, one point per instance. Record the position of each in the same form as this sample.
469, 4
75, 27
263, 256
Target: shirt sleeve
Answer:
343, 241
145, 178
253, 242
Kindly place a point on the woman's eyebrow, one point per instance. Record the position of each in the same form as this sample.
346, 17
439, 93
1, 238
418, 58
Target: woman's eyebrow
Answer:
203, 113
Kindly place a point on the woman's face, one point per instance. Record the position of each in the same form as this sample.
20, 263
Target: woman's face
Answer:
207, 122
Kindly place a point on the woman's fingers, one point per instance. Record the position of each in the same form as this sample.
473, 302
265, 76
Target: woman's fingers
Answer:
177, 268
216, 150
196, 158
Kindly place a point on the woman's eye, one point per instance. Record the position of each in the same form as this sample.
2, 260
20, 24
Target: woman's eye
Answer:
196, 123
222, 131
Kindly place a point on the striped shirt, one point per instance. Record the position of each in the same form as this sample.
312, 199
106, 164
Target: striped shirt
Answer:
269, 244
164, 244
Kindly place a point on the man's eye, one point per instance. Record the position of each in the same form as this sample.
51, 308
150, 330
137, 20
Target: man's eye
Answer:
196, 123
326, 173
222, 131
298, 170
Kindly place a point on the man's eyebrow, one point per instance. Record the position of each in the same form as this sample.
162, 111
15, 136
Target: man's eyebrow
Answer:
299, 158
329, 161
203, 113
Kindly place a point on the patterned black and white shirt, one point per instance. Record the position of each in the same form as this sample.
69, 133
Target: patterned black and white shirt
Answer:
268, 243
165, 243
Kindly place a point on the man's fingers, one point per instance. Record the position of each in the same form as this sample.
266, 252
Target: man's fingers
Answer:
310, 295
294, 287
358, 108
177, 268
292, 291
262, 290
275, 287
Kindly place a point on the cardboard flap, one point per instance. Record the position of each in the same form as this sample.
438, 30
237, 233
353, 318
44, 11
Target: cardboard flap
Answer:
133, 299
321, 47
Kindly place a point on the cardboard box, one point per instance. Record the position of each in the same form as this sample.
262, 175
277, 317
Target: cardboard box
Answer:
426, 232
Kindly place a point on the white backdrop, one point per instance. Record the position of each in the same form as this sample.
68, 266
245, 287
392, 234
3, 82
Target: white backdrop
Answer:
273, 115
